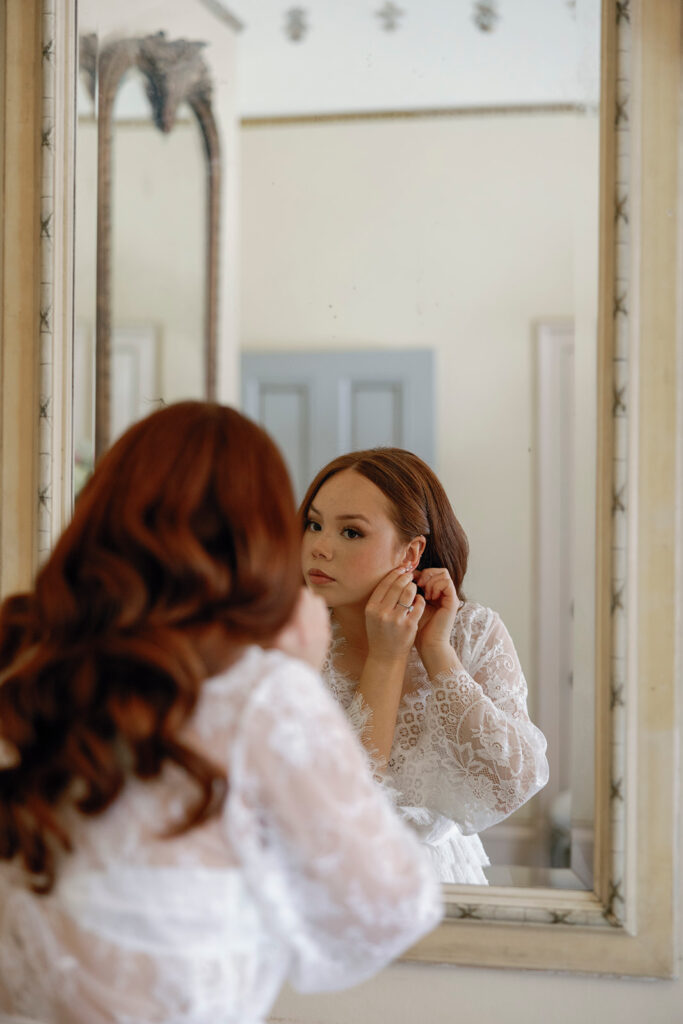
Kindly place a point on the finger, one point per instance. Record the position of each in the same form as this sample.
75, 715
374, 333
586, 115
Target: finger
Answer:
394, 579
436, 582
405, 598
426, 574
439, 587
418, 609
402, 592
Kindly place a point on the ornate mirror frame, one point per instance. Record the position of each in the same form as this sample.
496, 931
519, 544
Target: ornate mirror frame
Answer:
174, 73
627, 924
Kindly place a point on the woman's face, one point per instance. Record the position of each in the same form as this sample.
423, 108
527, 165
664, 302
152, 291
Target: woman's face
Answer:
350, 542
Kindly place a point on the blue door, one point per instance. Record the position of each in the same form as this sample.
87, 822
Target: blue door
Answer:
320, 404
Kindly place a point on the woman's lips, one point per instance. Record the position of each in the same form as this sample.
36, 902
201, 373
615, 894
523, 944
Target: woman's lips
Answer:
316, 576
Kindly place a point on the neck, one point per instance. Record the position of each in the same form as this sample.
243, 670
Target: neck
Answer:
351, 619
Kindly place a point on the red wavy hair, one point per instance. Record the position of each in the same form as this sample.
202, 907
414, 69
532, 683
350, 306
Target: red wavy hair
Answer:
187, 522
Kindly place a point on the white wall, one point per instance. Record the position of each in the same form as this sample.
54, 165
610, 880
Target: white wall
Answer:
458, 234
158, 242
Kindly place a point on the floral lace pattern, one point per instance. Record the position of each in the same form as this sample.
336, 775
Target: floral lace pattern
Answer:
464, 746
307, 875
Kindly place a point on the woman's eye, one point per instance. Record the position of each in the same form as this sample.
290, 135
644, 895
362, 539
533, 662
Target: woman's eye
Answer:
350, 533
313, 526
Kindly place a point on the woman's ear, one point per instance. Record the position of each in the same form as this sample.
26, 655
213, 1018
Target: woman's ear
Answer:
414, 551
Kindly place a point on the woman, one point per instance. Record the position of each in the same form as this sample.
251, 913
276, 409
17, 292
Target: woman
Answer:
185, 816
431, 682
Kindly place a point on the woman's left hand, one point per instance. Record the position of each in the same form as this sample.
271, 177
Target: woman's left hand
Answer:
436, 624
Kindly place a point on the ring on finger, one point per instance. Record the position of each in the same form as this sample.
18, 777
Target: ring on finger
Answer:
399, 604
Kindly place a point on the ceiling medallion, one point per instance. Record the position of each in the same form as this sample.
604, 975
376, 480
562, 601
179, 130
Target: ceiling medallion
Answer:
485, 15
390, 16
296, 23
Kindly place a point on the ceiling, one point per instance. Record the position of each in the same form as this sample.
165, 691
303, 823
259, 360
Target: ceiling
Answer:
346, 56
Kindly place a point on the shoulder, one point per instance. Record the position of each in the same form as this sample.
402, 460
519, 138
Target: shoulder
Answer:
262, 668
475, 620
263, 677
478, 632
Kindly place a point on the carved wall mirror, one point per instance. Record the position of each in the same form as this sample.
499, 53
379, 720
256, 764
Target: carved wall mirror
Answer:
624, 923
173, 73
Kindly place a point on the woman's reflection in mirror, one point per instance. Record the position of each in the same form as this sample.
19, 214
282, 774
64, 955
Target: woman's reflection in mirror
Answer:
185, 814
430, 681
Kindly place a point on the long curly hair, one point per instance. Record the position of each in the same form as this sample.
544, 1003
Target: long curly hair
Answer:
419, 504
188, 522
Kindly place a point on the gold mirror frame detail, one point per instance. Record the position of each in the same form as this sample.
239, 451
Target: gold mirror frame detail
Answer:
174, 73
626, 926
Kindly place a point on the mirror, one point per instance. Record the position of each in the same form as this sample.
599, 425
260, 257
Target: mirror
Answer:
149, 154
415, 183
627, 925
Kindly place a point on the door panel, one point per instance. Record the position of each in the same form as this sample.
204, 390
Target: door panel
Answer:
318, 405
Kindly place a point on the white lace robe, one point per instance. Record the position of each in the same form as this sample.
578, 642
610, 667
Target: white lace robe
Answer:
465, 754
308, 875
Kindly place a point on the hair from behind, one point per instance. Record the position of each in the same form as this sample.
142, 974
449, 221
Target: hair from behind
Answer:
187, 522
419, 504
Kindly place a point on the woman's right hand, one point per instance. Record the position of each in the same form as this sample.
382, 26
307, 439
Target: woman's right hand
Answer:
392, 615
307, 635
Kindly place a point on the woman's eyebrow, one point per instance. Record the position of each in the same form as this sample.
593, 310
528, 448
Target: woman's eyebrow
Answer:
346, 515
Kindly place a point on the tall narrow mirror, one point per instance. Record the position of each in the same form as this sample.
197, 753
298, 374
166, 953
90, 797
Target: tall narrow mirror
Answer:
149, 210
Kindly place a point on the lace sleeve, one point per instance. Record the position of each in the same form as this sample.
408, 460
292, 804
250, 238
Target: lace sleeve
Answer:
491, 756
338, 876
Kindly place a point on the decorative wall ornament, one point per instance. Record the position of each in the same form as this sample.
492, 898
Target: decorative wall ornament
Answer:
618, 889
296, 23
390, 16
623, 11
485, 15
174, 73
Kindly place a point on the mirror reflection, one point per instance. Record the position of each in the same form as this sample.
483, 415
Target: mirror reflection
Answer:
429, 679
408, 257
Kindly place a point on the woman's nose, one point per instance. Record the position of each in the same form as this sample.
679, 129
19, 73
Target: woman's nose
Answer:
321, 546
